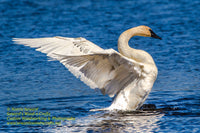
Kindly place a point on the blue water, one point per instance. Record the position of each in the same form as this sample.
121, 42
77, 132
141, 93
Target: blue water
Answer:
29, 80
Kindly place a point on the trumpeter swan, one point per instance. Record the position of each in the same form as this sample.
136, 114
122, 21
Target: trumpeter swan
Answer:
128, 75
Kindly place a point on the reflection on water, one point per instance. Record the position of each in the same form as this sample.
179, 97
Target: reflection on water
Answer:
116, 122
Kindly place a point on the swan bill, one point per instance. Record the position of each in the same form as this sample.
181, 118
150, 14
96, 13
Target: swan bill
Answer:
154, 35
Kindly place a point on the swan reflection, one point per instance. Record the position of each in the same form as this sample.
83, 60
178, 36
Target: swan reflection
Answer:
116, 122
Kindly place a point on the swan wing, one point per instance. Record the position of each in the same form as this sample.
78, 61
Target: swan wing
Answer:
109, 71
53, 46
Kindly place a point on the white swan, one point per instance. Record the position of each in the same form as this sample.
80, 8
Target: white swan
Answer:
129, 74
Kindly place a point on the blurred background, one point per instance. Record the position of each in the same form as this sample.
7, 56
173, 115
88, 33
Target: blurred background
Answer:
29, 80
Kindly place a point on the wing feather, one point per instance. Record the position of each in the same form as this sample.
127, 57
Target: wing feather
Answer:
53, 46
110, 72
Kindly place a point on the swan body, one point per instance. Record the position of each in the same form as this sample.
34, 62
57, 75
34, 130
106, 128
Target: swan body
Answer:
128, 74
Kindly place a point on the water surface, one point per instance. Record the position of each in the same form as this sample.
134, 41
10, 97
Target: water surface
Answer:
28, 80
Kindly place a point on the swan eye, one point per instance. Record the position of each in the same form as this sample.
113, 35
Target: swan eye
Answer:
154, 35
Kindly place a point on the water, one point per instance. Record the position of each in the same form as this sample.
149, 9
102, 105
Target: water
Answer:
28, 80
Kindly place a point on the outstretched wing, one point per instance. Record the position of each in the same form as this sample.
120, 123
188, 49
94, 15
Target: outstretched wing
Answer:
111, 72
107, 70
60, 45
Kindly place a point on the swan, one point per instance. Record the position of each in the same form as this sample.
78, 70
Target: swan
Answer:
128, 75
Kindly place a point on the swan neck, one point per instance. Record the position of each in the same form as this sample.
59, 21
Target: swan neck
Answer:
135, 54
123, 40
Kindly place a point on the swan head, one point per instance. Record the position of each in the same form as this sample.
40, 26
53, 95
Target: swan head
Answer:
146, 32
